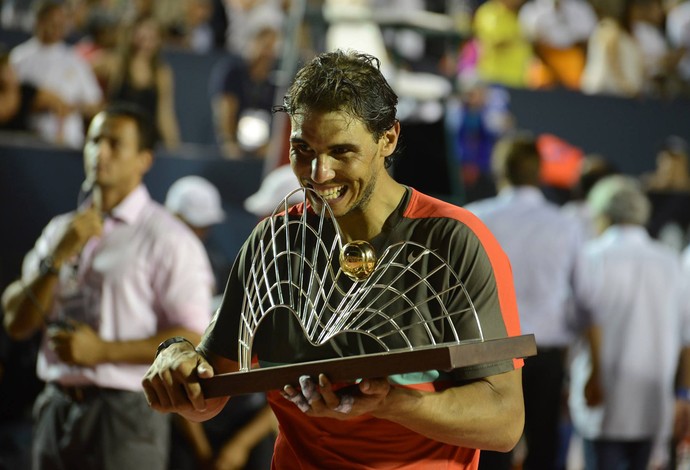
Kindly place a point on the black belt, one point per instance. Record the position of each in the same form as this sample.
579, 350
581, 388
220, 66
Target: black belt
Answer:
79, 393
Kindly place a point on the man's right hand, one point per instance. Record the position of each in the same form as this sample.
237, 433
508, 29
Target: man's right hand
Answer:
85, 224
172, 382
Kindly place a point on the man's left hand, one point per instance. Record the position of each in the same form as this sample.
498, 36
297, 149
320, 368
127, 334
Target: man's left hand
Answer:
80, 345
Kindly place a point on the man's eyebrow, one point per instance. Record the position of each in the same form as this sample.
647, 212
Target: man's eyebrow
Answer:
342, 145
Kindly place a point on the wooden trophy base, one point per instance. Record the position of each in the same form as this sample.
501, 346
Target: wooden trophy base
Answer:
345, 369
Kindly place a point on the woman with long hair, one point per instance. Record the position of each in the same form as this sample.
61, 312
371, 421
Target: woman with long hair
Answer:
138, 73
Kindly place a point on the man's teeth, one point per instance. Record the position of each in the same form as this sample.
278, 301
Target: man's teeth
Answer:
331, 193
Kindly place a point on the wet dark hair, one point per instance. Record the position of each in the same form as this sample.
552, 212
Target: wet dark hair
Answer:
350, 82
146, 130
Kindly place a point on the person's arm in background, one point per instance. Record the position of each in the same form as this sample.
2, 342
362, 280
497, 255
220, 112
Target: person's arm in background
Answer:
90, 100
27, 302
235, 452
48, 101
195, 435
225, 109
681, 425
166, 116
225, 105
594, 393
10, 93
82, 346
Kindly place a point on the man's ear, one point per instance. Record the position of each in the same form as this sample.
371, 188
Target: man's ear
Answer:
145, 160
389, 139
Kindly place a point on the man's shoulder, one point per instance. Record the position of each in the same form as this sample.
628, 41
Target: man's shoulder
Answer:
161, 223
423, 206
23, 50
552, 210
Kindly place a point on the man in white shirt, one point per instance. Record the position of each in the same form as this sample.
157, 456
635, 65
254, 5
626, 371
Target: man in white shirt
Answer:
632, 316
542, 244
46, 62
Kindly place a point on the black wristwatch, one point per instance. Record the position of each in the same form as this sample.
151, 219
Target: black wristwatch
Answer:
171, 341
47, 266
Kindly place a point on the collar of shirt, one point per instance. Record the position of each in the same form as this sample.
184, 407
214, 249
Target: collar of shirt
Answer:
632, 233
129, 209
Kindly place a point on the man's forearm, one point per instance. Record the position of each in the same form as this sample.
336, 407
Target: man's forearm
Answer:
486, 414
27, 305
142, 351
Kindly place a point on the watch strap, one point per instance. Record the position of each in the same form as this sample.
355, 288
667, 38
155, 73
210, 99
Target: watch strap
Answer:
47, 266
170, 341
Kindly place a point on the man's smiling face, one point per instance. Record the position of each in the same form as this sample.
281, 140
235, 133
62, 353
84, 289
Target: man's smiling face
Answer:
334, 154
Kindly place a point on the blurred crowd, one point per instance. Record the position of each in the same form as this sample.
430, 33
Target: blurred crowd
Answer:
82, 54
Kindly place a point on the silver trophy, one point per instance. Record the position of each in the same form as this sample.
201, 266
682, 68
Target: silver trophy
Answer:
400, 300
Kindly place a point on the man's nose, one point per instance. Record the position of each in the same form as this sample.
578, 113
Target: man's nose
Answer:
322, 169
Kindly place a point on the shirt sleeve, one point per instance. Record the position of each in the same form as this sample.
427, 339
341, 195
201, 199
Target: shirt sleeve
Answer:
685, 299
44, 245
91, 92
222, 336
586, 282
184, 284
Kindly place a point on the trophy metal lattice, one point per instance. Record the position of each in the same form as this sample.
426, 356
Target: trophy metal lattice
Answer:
329, 299
400, 300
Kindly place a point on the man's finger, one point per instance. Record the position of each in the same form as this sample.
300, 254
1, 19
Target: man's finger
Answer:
309, 389
345, 405
295, 397
374, 386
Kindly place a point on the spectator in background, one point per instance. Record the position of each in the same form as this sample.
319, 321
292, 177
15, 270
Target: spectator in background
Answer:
243, 89
558, 30
594, 167
275, 187
505, 53
542, 244
197, 32
17, 14
680, 443
660, 59
631, 312
105, 284
139, 74
245, 17
668, 188
97, 47
19, 100
615, 62
477, 119
47, 62
671, 172
678, 33
197, 202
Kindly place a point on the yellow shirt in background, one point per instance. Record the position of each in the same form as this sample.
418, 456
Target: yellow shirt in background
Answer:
505, 54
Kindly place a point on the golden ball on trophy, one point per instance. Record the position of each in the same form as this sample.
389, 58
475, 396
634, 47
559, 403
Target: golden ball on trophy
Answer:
357, 260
